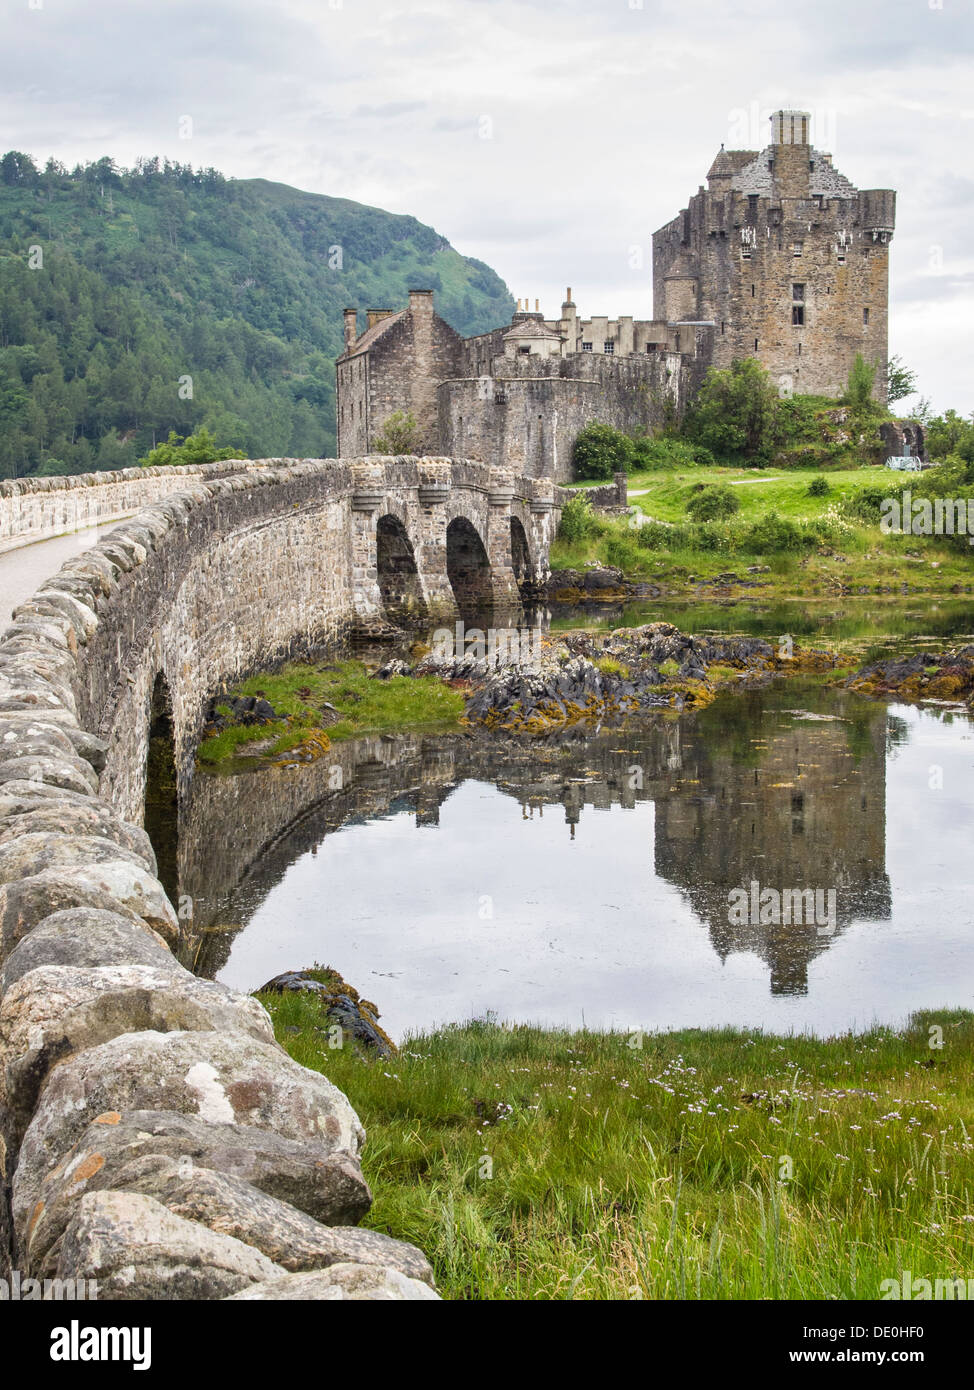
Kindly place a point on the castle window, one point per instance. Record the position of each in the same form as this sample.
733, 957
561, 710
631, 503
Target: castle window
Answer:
752, 202
722, 327
755, 344
609, 347
752, 291
586, 347
865, 318
798, 293
798, 315
524, 350
797, 247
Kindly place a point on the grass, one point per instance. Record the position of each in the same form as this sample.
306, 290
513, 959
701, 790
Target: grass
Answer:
668, 493
302, 691
699, 1164
840, 556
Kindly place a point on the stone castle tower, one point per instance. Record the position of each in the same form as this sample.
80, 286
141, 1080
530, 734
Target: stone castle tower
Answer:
787, 259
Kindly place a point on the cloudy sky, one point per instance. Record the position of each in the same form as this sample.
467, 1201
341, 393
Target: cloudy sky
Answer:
549, 138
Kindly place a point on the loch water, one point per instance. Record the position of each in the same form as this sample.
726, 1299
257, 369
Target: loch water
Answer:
624, 877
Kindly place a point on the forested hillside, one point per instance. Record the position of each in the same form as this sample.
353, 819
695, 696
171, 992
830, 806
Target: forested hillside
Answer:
134, 302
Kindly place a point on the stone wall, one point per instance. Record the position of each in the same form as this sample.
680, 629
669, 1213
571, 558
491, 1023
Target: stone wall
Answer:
153, 1136
34, 509
527, 416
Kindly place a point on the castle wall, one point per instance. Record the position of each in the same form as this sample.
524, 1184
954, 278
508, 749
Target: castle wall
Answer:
527, 415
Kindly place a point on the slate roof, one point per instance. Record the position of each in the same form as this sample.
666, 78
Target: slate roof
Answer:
825, 181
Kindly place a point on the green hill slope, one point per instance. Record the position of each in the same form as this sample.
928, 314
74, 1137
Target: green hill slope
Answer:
137, 301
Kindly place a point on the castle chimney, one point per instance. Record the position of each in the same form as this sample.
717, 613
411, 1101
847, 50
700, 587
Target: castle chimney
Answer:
537, 306
375, 316
518, 309
351, 319
791, 128
421, 302
791, 153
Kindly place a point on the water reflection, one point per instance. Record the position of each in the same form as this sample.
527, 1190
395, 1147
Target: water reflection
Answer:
589, 880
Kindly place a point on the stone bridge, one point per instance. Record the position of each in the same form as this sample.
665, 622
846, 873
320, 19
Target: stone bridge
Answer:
117, 1066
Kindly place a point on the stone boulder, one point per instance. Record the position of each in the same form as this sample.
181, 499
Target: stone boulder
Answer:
284, 1234
56, 1011
135, 1249
360, 1283
226, 1079
328, 1187
86, 936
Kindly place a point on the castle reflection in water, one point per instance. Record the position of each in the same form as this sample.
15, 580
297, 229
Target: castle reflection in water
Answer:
759, 787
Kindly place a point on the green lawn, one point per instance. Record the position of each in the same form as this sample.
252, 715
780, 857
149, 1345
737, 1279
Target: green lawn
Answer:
302, 692
668, 492
698, 1164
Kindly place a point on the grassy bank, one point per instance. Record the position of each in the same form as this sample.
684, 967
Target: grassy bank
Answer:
695, 1164
323, 704
793, 537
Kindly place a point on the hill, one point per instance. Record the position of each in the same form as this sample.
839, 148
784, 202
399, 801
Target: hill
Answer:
136, 301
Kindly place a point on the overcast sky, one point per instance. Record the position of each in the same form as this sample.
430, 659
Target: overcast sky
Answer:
549, 138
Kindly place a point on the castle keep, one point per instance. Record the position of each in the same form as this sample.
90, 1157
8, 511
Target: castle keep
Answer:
788, 260
780, 258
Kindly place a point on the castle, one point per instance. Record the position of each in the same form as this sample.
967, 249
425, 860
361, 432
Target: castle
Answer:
780, 258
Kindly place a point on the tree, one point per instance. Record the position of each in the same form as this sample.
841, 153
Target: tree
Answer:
859, 388
900, 380
734, 413
198, 448
399, 435
599, 451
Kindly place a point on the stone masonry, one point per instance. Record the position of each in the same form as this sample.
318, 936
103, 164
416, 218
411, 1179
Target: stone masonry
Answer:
153, 1136
787, 259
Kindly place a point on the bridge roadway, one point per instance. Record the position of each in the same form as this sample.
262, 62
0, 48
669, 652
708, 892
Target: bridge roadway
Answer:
24, 570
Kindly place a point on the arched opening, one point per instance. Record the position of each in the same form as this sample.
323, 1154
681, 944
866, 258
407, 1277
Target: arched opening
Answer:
468, 567
161, 789
520, 555
399, 585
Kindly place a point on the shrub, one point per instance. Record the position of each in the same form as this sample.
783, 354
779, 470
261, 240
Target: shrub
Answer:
599, 451
651, 452
734, 413
399, 435
819, 487
771, 533
713, 503
578, 521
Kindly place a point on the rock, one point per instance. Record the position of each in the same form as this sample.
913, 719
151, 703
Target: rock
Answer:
226, 1079
340, 1005
58, 1010
118, 885
63, 770
91, 817
135, 1249
29, 854
327, 1187
284, 1234
86, 936
360, 1283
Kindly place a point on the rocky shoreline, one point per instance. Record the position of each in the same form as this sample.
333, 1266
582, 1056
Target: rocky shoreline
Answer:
592, 677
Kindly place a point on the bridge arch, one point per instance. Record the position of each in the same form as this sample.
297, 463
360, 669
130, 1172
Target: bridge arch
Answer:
520, 552
161, 820
468, 566
397, 570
